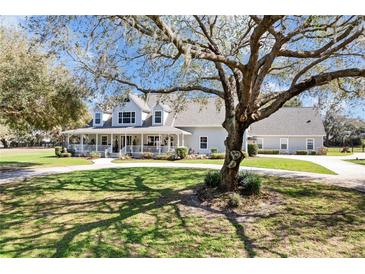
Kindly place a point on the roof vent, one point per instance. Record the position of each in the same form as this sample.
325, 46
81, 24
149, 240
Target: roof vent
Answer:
309, 121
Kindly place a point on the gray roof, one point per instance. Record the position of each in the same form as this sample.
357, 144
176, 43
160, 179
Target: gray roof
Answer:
286, 121
304, 121
140, 103
128, 130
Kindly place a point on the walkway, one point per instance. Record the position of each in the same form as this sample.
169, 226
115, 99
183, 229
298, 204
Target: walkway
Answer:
349, 175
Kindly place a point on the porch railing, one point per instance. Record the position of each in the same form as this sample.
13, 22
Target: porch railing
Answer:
88, 148
152, 149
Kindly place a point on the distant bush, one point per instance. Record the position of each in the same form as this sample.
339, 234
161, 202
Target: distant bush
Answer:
234, 200
323, 151
249, 183
181, 152
95, 154
252, 150
214, 150
147, 155
268, 151
345, 150
301, 152
212, 179
312, 152
65, 154
217, 156
58, 151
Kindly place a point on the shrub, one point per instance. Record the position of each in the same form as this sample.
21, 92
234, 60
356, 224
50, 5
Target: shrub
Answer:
345, 150
95, 154
312, 152
147, 155
268, 151
125, 157
301, 152
234, 200
163, 156
65, 154
249, 183
217, 156
58, 151
212, 179
252, 150
323, 151
245, 154
181, 152
214, 150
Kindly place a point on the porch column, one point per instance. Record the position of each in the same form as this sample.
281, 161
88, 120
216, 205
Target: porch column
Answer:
68, 140
96, 142
182, 137
111, 142
159, 144
168, 142
178, 139
141, 142
125, 142
82, 142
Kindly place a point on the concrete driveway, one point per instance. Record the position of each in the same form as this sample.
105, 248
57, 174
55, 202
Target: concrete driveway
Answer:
349, 175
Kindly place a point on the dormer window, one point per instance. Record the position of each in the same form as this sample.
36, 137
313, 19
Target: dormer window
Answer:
158, 117
98, 118
126, 117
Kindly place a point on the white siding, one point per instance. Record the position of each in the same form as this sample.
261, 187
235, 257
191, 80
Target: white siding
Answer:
295, 143
216, 137
163, 113
128, 107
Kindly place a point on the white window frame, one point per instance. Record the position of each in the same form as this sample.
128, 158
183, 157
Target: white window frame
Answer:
120, 119
200, 143
287, 144
154, 117
262, 143
314, 144
100, 119
101, 140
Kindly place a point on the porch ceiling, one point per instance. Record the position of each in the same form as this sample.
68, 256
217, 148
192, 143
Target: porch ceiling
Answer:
128, 130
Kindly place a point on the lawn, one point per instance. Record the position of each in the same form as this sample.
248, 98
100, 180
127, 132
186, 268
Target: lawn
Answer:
261, 162
336, 151
359, 162
152, 212
20, 158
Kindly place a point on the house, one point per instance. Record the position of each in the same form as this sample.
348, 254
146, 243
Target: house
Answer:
138, 125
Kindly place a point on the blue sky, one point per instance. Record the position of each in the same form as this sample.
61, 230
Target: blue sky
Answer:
355, 110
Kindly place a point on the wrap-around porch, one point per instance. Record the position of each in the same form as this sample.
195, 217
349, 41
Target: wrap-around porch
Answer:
111, 143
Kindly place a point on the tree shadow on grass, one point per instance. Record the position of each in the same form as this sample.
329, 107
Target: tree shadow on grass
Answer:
6, 166
126, 213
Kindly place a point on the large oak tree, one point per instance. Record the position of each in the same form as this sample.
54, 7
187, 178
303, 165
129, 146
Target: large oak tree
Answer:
255, 64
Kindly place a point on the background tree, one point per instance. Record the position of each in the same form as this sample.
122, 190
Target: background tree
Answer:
35, 92
254, 64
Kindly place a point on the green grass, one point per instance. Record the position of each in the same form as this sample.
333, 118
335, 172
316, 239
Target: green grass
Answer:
21, 158
336, 151
261, 162
150, 212
359, 162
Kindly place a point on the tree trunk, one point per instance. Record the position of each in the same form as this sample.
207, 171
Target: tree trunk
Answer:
5, 143
232, 160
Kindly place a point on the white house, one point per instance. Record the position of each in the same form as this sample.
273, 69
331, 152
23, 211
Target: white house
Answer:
138, 125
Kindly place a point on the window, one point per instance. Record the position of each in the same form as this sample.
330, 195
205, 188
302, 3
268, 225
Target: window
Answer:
260, 143
203, 142
158, 117
98, 118
126, 117
284, 143
153, 140
310, 144
104, 140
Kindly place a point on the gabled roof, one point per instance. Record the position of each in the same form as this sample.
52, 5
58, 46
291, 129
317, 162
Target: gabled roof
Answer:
301, 121
140, 103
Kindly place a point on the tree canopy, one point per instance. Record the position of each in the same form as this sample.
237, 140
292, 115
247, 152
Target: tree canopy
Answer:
255, 64
35, 92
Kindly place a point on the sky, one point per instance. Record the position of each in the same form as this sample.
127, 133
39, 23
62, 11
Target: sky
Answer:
357, 110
